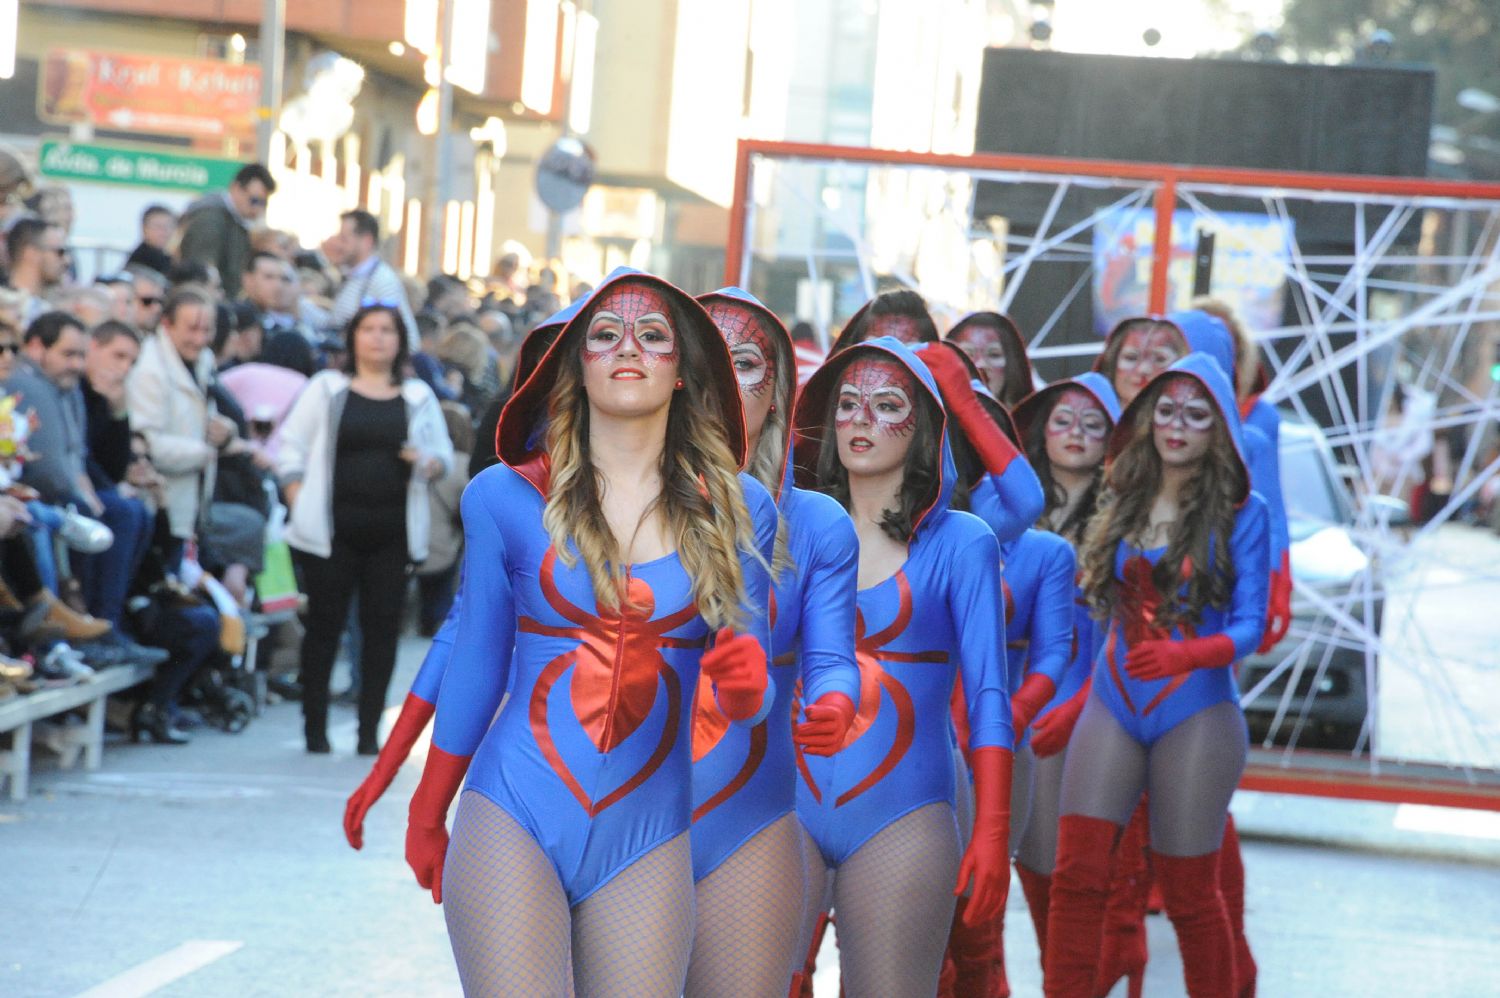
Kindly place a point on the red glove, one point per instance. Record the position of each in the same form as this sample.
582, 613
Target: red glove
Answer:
1279, 610
987, 860
827, 723
736, 665
415, 713
1163, 658
1036, 690
426, 818
991, 444
1050, 734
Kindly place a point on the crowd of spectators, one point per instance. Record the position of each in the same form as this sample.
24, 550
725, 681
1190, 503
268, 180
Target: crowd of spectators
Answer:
160, 425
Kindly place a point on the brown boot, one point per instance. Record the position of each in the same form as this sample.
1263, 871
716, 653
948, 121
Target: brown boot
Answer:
75, 626
8, 599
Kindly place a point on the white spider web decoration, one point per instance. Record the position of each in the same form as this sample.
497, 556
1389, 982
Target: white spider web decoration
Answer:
1410, 297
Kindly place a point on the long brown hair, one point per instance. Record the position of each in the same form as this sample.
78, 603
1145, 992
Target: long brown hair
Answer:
921, 476
1054, 495
1198, 552
701, 498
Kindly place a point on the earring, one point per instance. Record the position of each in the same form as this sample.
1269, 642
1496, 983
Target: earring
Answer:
679, 384
773, 407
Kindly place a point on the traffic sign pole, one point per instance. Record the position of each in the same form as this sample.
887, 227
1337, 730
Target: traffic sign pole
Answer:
272, 58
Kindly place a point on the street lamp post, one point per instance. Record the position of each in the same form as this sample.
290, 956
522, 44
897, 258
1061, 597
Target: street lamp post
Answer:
439, 183
272, 60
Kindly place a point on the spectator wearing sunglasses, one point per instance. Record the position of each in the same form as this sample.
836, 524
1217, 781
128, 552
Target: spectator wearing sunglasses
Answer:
216, 228
150, 295
38, 260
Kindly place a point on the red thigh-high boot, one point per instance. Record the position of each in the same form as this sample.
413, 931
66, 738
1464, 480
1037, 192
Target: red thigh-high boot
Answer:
974, 965
1123, 952
1190, 887
1036, 887
1232, 886
1075, 917
802, 981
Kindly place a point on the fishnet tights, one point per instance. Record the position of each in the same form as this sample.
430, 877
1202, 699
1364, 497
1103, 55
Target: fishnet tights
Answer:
513, 933
507, 915
893, 902
632, 937
749, 918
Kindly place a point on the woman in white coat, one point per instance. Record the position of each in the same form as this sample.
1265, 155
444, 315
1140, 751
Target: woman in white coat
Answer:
358, 450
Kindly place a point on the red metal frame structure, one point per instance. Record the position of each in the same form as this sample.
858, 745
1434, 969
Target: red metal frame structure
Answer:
1303, 772
1165, 174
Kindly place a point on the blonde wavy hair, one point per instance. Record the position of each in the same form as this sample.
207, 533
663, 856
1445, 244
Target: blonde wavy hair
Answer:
1246, 350
1200, 538
767, 461
701, 498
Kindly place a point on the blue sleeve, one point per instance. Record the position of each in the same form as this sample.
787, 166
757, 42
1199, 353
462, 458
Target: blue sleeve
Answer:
1050, 643
1250, 553
1265, 478
430, 677
1009, 502
757, 575
973, 596
829, 592
479, 667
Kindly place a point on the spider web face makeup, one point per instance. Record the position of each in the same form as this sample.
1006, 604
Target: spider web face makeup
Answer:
751, 348
631, 315
902, 327
1146, 350
983, 346
877, 393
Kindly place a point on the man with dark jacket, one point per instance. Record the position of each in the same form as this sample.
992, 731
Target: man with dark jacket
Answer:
216, 228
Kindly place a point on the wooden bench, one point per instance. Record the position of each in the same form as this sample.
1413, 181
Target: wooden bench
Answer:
18, 713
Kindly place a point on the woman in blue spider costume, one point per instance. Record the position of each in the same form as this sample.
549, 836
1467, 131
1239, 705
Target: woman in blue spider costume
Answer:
747, 846
1177, 559
871, 431
1037, 583
601, 556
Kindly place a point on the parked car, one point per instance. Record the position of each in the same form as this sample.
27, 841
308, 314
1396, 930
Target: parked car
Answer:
1322, 698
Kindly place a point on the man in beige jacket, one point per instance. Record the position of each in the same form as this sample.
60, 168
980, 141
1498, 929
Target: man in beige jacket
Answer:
169, 403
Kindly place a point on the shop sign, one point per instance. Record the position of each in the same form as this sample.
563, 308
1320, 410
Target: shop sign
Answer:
159, 95
135, 167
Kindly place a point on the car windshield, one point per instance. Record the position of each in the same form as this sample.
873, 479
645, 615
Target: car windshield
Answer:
1306, 483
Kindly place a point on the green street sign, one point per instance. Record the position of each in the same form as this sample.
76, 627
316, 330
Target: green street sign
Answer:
135, 167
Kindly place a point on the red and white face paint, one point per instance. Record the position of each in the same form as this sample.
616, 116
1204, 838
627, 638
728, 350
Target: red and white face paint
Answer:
1146, 350
1182, 421
983, 345
879, 394
1076, 431
902, 327
751, 348
875, 416
631, 319
752, 352
630, 352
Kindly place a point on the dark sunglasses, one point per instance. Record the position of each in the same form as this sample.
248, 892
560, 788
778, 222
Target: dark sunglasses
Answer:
149, 300
256, 202
10, 348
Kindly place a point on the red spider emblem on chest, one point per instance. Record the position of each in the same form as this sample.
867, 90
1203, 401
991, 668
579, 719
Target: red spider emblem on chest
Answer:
1139, 603
869, 651
617, 671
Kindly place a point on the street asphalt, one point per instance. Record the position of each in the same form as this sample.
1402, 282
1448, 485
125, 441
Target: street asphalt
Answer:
220, 869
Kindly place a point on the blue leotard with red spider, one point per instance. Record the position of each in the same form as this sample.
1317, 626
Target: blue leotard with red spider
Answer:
1148, 709
915, 633
591, 752
744, 779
